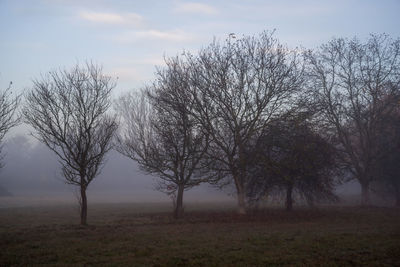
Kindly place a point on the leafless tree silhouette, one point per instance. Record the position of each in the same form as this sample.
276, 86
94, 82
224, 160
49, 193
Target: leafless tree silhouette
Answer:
68, 111
350, 80
159, 132
240, 86
8, 118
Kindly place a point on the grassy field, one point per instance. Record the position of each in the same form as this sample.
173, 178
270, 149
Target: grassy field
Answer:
146, 235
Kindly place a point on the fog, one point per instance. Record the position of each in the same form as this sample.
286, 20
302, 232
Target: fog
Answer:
32, 175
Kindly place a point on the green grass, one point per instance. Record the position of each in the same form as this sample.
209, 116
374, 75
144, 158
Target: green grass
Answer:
146, 235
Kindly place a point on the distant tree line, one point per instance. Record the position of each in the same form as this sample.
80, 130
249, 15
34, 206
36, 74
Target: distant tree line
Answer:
247, 112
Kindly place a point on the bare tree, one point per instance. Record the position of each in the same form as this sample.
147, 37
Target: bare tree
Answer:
68, 111
8, 107
350, 79
159, 132
239, 87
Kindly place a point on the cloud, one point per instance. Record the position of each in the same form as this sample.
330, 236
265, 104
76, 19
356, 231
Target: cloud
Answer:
169, 36
130, 19
163, 35
279, 9
192, 7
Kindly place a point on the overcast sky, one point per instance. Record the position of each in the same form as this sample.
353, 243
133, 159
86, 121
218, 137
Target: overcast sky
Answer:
130, 37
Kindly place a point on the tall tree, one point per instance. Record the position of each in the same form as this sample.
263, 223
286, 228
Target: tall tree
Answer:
239, 86
160, 134
68, 111
8, 107
349, 80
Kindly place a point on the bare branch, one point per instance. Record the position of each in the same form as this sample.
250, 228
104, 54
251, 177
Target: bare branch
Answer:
8, 108
350, 80
67, 109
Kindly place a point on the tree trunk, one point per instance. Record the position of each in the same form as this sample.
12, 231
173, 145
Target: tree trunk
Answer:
83, 206
397, 204
365, 201
178, 213
289, 200
311, 202
397, 196
241, 202
241, 195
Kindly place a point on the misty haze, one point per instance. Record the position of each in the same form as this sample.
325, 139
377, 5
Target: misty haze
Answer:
199, 133
32, 177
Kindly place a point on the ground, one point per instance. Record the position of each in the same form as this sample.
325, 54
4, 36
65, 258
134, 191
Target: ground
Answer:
147, 235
